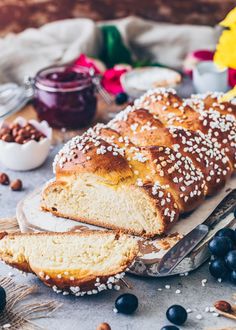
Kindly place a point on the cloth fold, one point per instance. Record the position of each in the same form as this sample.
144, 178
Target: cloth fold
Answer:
62, 41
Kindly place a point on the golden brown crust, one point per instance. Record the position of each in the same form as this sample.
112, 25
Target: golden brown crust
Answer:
178, 174
212, 162
197, 156
192, 114
170, 108
143, 129
212, 101
94, 155
220, 128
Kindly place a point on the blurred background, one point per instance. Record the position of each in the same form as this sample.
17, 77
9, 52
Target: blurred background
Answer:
17, 15
126, 48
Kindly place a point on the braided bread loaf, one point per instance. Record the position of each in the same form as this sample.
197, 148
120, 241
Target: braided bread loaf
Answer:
152, 162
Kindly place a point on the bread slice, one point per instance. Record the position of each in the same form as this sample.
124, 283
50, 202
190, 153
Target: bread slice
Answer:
74, 262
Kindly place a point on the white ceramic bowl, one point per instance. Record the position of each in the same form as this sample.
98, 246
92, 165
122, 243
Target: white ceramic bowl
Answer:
24, 157
137, 81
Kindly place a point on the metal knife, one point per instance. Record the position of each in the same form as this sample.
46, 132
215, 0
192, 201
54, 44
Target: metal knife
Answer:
181, 249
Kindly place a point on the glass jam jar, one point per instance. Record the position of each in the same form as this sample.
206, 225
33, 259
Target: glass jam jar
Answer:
65, 98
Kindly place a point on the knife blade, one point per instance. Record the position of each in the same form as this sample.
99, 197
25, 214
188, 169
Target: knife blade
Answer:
181, 249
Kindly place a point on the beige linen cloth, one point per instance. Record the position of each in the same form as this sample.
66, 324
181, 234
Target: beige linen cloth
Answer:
59, 42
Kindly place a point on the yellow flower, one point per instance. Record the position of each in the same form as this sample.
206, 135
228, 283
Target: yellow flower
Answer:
230, 19
225, 55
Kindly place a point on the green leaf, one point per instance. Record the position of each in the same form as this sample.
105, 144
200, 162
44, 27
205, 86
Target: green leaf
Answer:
114, 51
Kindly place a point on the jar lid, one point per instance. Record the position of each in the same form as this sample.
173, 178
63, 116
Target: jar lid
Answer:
63, 79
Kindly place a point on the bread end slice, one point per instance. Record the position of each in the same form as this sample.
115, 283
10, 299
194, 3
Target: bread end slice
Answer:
72, 262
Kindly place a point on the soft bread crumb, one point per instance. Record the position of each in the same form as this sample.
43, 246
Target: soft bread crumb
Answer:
73, 258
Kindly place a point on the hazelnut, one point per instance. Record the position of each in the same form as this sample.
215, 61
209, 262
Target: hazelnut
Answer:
23, 132
103, 326
7, 138
14, 125
16, 185
20, 134
15, 131
28, 127
4, 179
19, 139
223, 306
4, 130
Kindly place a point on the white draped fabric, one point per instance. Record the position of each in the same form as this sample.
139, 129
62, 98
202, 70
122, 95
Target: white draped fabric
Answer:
59, 42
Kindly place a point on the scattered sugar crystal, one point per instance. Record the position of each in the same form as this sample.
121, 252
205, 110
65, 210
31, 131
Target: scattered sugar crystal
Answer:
216, 314
204, 281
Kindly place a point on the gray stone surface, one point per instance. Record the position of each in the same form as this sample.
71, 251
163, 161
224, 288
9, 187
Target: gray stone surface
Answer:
88, 312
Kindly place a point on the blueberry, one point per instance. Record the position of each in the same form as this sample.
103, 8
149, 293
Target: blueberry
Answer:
176, 314
169, 327
218, 268
233, 277
127, 303
220, 246
121, 98
230, 259
226, 232
2, 299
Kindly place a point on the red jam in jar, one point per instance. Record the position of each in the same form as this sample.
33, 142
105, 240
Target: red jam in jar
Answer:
65, 98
